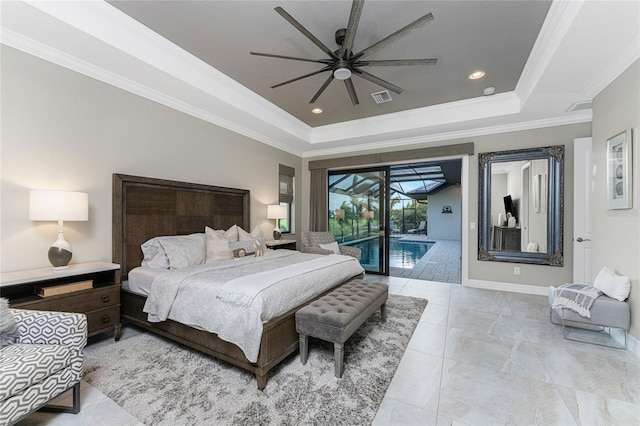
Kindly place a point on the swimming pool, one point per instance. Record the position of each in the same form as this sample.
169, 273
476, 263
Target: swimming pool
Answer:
402, 253
405, 254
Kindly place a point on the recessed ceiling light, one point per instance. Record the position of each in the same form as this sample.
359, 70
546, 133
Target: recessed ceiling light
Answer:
476, 75
317, 110
488, 91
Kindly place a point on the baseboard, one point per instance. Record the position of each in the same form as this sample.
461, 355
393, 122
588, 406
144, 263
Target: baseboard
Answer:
512, 287
633, 344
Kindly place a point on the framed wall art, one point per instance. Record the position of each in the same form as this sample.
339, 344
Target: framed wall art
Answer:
619, 171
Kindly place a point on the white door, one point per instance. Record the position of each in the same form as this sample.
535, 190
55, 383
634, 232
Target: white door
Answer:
582, 193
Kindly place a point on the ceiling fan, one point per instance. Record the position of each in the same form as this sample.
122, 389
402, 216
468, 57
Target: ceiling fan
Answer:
343, 63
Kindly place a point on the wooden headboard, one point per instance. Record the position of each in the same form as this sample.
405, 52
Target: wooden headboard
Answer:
144, 208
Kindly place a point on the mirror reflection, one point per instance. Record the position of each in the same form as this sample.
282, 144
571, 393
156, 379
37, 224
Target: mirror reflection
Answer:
521, 206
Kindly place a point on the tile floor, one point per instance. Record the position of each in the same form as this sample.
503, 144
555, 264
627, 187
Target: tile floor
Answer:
477, 357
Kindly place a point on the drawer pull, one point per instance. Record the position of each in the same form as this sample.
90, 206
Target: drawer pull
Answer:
105, 319
105, 298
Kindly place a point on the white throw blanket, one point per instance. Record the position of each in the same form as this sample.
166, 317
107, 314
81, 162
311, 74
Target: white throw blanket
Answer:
576, 297
242, 291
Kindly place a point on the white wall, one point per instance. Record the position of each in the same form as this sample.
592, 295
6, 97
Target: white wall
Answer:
442, 226
63, 130
616, 233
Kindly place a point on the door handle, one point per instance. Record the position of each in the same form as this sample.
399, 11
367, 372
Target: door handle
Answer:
580, 239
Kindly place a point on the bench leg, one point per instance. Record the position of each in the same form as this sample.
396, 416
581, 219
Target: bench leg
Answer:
338, 354
304, 348
383, 312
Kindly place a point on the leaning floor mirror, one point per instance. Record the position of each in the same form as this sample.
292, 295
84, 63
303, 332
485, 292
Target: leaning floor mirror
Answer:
522, 206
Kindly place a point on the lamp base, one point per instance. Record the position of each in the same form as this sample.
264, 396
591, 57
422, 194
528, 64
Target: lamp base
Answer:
277, 234
60, 254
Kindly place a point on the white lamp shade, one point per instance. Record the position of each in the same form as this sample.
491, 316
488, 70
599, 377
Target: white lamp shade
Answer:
276, 211
48, 205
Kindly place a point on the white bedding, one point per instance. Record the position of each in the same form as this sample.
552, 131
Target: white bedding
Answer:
193, 295
139, 279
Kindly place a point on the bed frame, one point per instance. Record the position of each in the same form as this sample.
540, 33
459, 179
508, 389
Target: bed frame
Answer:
144, 208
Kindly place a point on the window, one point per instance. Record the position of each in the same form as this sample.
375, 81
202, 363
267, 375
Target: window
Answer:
286, 178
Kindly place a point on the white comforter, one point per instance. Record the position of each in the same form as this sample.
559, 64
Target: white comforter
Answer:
224, 298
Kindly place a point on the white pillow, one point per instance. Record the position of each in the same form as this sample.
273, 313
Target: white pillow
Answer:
184, 250
217, 247
255, 236
154, 254
231, 234
615, 286
332, 246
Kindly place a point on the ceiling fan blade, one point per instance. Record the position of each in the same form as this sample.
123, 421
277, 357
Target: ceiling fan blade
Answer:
271, 55
352, 27
395, 36
396, 62
377, 80
302, 76
324, 86
306, 32
352, 91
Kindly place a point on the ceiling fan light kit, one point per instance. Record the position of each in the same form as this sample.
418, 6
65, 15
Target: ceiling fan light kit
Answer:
343, 63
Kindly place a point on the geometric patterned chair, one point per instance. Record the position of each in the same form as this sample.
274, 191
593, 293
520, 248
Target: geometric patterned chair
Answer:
311, 244
45, 362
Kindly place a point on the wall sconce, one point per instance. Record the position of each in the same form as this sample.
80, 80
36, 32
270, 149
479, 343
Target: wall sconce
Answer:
447, 210
277, 212
47, 205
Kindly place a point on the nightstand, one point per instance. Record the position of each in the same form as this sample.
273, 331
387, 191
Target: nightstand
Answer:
100, 302
281, 244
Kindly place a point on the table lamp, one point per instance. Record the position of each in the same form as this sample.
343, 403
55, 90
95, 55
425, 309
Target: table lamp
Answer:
48, 205
277, 212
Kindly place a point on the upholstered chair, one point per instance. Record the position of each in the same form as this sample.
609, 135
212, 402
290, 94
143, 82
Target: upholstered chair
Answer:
311, 244
45, 361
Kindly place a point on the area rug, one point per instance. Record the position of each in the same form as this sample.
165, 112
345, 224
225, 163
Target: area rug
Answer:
163, 383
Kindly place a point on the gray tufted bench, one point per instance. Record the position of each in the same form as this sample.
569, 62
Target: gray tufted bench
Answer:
337, 315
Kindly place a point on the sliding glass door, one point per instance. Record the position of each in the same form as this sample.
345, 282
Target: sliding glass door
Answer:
358, 213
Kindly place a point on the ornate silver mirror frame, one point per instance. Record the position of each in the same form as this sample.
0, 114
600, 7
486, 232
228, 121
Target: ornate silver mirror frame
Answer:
545, 198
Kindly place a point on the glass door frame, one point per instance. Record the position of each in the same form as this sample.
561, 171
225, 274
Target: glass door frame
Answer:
383, 231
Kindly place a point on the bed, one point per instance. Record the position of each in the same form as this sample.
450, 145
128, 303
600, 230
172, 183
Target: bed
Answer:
144, 208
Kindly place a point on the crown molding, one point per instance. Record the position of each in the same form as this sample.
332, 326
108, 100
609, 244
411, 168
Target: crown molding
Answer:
573, 118
617, 67
40, 50
554, 29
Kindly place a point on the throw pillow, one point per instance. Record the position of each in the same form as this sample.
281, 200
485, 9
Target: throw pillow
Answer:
184, 250
615, 286
246, 245
9, 332
332, 246
217, 247
254, 236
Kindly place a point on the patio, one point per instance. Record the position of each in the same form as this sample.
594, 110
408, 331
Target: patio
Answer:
441, 263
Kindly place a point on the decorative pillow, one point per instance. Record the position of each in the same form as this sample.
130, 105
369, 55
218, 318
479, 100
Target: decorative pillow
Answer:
332, 246
254, 236
231, 234
246, 245
615, 286
154, 254
9, 332
184, 250
217, 247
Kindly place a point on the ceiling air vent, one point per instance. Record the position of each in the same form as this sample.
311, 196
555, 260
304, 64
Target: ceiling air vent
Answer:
579, 106
382, 97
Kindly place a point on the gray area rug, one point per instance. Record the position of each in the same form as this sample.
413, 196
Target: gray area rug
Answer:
163, 383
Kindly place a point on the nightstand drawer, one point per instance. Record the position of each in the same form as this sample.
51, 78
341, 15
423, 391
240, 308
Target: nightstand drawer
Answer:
82, 301
103, 319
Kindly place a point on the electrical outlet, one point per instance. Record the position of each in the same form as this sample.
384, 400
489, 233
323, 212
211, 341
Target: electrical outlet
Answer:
516, 270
